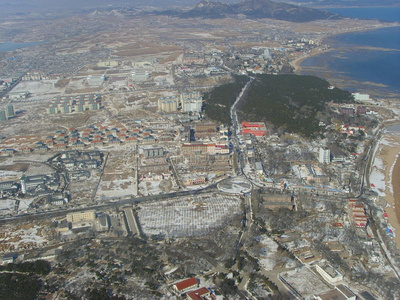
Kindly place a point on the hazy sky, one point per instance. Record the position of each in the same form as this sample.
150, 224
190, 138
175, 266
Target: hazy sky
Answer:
91, 3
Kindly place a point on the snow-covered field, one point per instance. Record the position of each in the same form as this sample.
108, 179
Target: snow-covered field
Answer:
23, 237
117, 188
6, 206
305, 282
187, 216
377, 177
270, 249
39, 88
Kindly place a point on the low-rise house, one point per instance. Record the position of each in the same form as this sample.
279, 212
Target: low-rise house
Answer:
185, 285
199, 294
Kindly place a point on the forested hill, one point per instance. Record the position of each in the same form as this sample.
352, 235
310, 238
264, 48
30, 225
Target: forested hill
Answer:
220, 99
290, 101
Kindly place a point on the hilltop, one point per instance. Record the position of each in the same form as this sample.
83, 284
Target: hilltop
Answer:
256, 9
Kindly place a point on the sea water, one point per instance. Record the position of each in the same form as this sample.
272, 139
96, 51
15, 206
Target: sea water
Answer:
354, 59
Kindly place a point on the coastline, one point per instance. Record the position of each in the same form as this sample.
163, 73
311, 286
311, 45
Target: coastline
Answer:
388, 153
296, 63
396, 192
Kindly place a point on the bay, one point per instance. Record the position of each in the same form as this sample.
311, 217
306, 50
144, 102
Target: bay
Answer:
391, 14
354, 62
9, 46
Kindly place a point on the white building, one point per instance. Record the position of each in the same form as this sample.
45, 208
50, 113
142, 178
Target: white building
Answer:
330, 274
95, 80
361, 97
108, 63
192, 105
140, 74
324, 155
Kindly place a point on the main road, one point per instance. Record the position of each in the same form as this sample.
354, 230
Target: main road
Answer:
99, 206
235, 128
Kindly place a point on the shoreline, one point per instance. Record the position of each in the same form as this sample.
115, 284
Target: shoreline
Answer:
389, 153
396, 195
296, 63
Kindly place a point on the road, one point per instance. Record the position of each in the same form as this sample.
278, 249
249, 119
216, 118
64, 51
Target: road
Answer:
235, 129
364, 185
101, 206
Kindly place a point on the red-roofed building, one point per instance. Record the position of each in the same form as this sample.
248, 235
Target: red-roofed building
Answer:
200, 294
185, 285
254, 128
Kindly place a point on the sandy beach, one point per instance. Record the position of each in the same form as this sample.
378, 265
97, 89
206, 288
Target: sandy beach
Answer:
385, 176
296, 63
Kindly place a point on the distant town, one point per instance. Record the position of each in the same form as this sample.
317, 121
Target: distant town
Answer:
135, 163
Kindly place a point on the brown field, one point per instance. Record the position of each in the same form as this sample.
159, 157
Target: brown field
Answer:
17, 167
250, 44
170, 58
144, 49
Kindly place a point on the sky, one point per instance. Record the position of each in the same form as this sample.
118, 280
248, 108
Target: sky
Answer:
77, 4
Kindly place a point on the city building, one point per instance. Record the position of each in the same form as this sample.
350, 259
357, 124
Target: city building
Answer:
192, 105
199, 294
347, 111
108, 63
324, 156
140, 74
3, 116
34, 75
81, 216
185, 285
189, 149
168, 104
95, 80
10, 111
330, 274
361, 97
257, 129
340, 292
153, 152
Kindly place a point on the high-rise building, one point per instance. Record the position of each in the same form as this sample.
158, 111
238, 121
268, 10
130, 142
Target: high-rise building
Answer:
324, 155
66, 109
10, 111
168, 104
80, 108
192, 105
3, 116
94, 106
52, 110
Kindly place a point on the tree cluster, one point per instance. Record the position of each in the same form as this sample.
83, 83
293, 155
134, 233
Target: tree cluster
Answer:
291, 102
219, 100
39, 267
